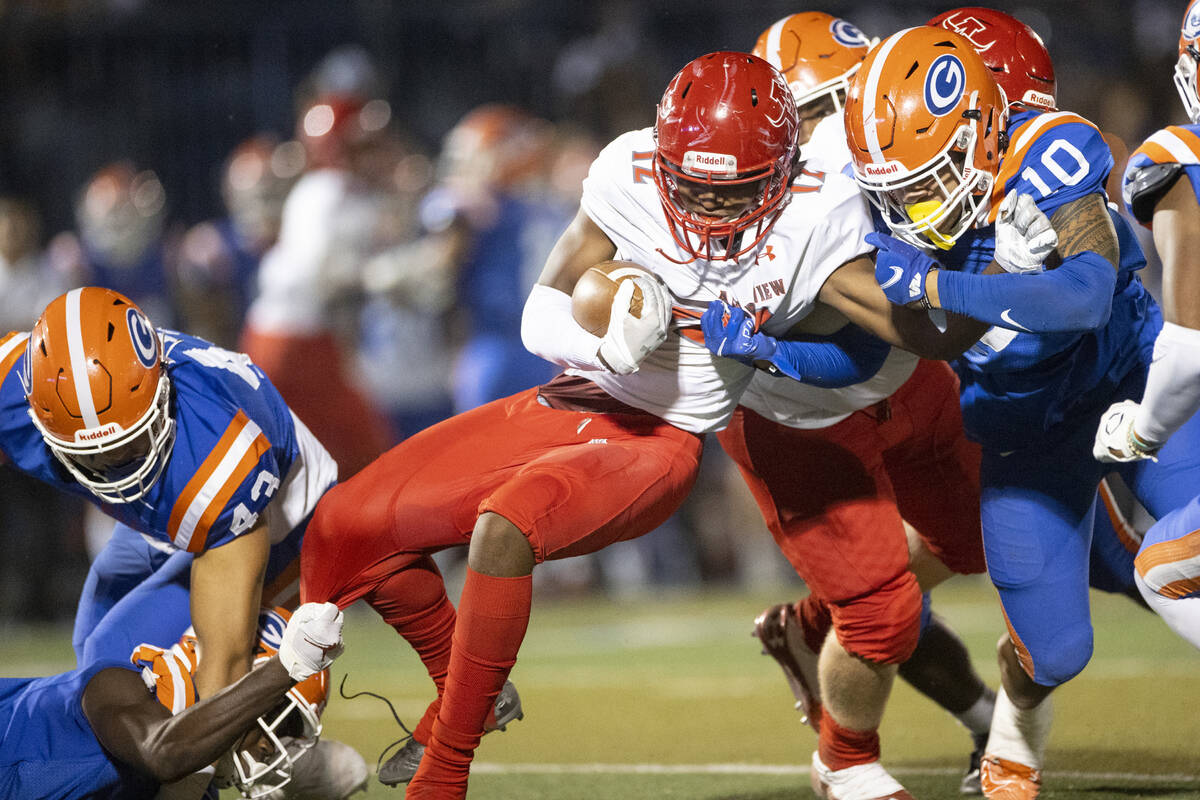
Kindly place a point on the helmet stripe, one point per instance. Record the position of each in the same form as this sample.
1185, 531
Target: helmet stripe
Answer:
774, 34
872, 90
83, 387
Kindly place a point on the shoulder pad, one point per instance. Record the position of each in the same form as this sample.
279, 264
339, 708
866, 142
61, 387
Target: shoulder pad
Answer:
1145, 186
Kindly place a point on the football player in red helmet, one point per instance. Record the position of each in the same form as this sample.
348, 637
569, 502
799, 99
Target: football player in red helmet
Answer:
97, 732
702, 202
723, 173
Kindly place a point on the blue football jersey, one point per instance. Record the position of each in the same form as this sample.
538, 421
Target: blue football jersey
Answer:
235, 442
48, 749
1154, 167
1015, 384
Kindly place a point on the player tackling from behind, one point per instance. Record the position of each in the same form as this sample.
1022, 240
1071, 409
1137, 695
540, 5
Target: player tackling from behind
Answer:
606, 451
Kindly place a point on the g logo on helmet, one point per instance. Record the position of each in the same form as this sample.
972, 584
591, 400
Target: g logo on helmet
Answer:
270, 629
845, 33
944, 84
145, 342
1191, 23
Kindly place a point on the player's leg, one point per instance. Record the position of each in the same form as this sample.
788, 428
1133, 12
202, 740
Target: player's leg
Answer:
156, 610
827, 500
577, 493
1037, 522
1167, 565
934, 471
126, 560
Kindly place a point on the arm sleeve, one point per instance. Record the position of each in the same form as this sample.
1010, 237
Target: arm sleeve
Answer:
1077, 296
1173, 385
550, 331
849, 356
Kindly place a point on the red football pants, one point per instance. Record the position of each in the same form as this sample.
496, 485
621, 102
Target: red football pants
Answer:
572, 482
834, 499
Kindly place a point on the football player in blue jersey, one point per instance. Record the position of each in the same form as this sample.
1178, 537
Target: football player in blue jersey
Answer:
134, 728
1160, 189
189, 448
939, 155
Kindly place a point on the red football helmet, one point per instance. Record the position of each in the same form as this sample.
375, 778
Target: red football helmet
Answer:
263, 760
1189, 57
333, 126
98, 392
1011, 49
925, 124
725, 148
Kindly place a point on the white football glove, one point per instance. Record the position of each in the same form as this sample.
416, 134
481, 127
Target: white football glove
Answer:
1024, 236
630, 339
311, 640
1116, 441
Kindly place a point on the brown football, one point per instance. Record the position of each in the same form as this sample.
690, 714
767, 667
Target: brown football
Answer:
591, 302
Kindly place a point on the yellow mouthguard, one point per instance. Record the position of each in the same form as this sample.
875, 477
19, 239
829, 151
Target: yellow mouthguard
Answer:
919, 212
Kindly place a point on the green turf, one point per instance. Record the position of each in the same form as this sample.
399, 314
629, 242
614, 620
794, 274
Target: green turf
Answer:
669, 698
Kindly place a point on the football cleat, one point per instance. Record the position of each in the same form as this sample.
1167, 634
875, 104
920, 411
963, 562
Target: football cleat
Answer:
970, 780
1002, 779
778, 629
860, 782
402, 766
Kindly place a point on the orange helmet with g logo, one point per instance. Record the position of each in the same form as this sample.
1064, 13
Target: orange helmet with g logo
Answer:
98, 393
1189, 57
925, 125
817, 54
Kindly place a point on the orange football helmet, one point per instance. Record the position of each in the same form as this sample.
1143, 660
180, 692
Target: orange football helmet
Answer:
263, 760
817, 54
98, 392
1189, 57
925, 124
1011, 49
495, 147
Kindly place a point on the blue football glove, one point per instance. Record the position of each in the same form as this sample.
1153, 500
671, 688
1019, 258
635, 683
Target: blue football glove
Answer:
729, 332
900, 268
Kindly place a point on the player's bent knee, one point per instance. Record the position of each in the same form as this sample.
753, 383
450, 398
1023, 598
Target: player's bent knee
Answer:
883, 626
499, 548
1064, 657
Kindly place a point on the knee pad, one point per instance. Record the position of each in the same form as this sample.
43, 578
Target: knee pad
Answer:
1062, 656
882, 626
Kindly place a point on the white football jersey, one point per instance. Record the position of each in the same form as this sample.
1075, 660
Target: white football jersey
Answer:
821, 228
799, 405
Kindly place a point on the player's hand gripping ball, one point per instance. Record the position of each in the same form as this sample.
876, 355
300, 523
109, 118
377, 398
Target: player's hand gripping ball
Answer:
628, 307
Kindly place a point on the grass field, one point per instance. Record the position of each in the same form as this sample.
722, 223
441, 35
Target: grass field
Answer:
669, 698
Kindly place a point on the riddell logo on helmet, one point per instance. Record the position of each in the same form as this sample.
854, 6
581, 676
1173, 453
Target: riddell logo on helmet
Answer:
98, 434
695, 161
1036, 98
881, 170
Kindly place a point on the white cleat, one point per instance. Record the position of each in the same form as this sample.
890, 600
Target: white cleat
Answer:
860, 782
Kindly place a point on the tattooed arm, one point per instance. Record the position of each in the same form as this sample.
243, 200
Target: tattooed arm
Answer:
1074, 294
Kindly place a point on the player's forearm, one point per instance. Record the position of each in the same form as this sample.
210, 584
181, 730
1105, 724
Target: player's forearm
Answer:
1172, 394
846, 357
1076, 296
201, 733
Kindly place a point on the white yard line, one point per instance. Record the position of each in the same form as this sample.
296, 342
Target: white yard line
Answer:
780, 769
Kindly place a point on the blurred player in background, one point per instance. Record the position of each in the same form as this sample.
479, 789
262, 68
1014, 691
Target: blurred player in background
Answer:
302, 327
606, 451
125, 242
189, 448
1160, 190
218, 266
1067, 341
135, 727
902, 426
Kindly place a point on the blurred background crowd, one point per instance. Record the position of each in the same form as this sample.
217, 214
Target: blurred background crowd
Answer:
360, 193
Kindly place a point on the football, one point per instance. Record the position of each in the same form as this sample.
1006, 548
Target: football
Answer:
591, 302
